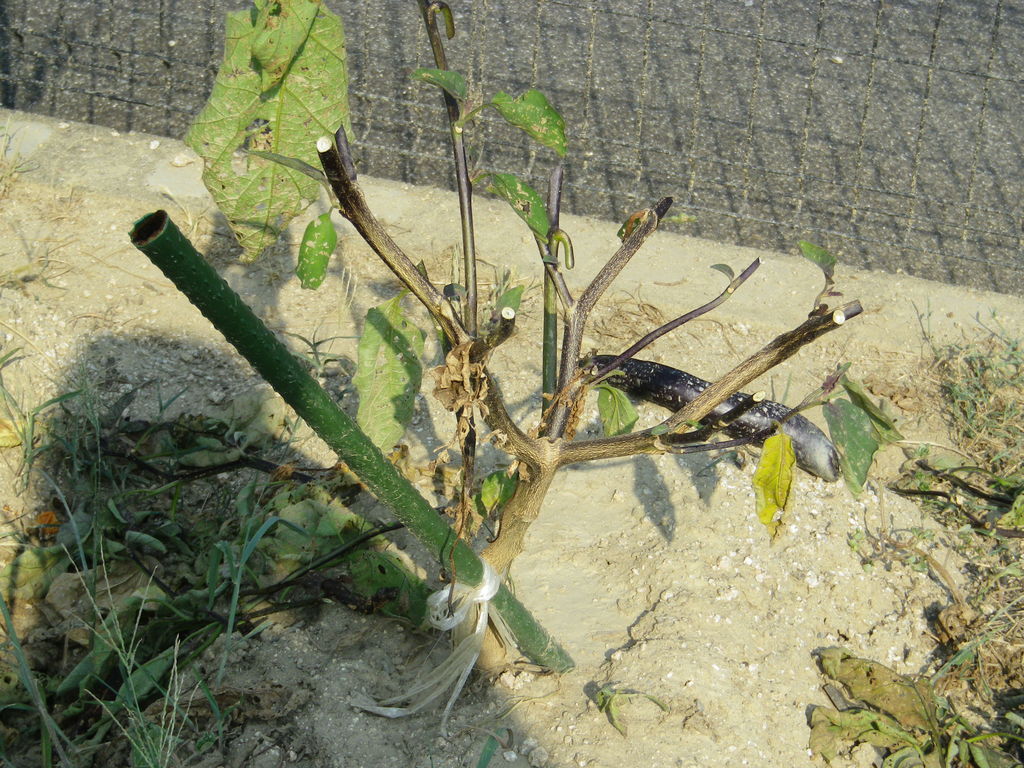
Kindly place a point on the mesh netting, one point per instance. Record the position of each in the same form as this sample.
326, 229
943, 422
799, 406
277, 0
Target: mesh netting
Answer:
889, 132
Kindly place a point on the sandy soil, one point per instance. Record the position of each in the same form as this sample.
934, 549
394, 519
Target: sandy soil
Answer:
653, 572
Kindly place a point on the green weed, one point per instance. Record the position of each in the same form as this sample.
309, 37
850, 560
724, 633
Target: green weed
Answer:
977, 492
139, 563
902, 715
12, 165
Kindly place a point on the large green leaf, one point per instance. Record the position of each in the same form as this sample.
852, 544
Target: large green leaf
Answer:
388, 374
908, 699
834, 732
282, 85
773, 479
524, 199
534, 114
854, 435
384, 580
616, 411
318, 243
885, 428
30, 573
447, 79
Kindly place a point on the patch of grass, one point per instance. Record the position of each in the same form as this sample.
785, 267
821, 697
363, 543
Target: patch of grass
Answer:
12, 164
977, 492
980, 487
154, 514
984, 383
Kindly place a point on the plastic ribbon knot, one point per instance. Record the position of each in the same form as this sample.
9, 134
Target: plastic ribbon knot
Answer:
469, 605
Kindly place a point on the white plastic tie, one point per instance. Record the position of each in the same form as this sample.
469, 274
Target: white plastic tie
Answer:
468, 604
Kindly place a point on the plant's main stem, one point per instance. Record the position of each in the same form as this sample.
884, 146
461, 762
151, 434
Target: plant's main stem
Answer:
520, 512
159, 239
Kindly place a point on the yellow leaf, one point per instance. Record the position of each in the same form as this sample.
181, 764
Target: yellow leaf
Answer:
773, 479
9, 436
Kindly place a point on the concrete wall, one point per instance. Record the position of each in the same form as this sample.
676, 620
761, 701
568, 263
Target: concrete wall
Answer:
890, 132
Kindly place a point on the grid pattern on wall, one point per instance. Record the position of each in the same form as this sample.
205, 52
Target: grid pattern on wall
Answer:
890, 131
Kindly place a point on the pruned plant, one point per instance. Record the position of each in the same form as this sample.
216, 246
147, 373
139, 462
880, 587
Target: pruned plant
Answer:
470, 330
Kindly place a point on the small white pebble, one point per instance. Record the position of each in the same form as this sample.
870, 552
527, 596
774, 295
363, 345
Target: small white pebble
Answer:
154, 143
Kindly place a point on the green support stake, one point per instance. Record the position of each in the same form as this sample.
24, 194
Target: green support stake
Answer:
159, 239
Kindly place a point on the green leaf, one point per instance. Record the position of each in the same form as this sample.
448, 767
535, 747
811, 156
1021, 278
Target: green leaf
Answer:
96, 664
532, 113
450, 81
725, 269
208, 452
910, 701
143, 541
885, 429
834, 732
381, 578
143, 680
388, 373
1015, 517
610, 700
618, 416
29, 575
852, 432
282, 85
10, 435
773, 480
496, 489
524, 199
317, 523
315, 251
491, 746
815, 253
990, 757
510, 298
280, 30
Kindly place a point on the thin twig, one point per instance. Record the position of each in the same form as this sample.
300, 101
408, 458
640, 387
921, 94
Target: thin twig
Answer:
657, 333
429, 11
510, 438
352, 205
573, 337
781, 348
772, 354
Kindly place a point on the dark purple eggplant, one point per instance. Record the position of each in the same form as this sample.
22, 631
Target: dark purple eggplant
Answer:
671, 388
